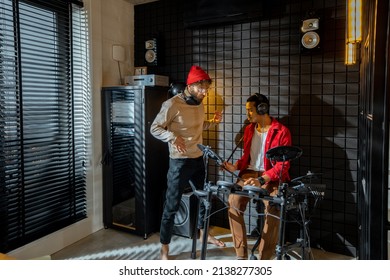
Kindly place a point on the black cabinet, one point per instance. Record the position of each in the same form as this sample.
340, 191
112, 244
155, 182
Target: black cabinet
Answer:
135, 164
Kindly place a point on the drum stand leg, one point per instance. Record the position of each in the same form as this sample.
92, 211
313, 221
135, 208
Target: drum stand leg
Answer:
206, 224
204, 196
282, 226
255, 246
259, 228
281, 250
195, 230
302, 240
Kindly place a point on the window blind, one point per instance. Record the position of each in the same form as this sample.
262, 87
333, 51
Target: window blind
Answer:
45, 118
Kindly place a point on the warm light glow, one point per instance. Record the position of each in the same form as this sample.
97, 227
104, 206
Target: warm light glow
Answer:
353, 31
354, 21
350, 53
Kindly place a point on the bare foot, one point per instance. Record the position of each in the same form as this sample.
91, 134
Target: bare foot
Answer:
164, 252
212, 240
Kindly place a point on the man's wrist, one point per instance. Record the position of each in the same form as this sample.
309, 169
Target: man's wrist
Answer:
261, 180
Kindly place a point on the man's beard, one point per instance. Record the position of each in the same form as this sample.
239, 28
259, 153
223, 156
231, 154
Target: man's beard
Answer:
196, 98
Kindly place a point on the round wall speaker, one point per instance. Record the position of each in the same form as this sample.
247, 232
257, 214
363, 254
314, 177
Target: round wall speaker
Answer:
310, 40
150, 56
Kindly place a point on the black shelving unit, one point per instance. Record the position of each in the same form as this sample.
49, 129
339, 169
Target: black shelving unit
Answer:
135, 164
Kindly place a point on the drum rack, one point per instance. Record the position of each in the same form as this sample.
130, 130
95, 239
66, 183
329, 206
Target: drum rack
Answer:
286, 198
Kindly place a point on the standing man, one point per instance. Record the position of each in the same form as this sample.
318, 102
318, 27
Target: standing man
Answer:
180, 123
262, 134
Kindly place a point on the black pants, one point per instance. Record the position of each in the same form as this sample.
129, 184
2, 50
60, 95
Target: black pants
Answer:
180, 172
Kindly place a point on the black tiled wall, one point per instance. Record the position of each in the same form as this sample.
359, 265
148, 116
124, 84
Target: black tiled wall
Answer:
313, 93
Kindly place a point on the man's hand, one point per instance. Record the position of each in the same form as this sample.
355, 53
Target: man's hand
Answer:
217, 117
228, 166
180, 144
252, 182
256, 182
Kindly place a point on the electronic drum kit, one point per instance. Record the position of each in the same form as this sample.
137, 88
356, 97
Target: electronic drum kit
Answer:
289, 196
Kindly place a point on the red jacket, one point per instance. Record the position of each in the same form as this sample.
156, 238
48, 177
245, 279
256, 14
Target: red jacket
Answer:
278, 135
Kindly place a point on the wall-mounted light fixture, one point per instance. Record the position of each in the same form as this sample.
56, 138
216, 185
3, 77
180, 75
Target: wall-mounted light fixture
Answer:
353, 32
350, 53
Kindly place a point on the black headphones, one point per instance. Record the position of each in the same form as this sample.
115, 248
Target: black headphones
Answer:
190, 100
178, 88
263, 107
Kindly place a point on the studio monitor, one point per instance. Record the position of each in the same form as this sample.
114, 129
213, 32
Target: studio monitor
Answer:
184, 223
151, 52
310, 24
310, 33
310, 40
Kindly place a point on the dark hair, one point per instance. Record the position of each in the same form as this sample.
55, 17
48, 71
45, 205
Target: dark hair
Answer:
258, 98
261, 103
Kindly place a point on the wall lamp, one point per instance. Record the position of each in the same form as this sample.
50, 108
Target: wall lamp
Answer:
350, 53
353, 31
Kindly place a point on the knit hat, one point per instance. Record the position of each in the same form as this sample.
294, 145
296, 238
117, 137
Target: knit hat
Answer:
197, 74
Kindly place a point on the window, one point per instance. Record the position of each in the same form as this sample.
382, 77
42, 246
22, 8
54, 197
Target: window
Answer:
45, 118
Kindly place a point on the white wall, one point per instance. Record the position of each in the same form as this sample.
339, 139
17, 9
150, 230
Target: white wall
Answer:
111, 22
117, 28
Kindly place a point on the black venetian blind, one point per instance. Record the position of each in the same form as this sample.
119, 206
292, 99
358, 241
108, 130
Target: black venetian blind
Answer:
45, 118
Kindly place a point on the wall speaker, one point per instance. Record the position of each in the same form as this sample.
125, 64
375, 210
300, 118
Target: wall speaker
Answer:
310, 24
151, 52
310, 38
184, 223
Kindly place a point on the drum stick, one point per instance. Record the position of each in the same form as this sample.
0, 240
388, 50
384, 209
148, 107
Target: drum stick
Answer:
234, 174
235, 148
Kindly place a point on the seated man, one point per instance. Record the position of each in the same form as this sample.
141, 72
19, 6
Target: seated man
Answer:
262, 134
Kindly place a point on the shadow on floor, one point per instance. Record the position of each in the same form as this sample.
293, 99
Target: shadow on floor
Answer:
111, 244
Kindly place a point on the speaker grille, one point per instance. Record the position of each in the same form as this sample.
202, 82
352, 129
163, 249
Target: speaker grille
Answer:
310, 40
182, 215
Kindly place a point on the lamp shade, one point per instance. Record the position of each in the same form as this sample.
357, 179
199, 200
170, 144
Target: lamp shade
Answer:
118, 53
354, 21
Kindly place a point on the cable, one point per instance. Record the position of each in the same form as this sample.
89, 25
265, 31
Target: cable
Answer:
120, 73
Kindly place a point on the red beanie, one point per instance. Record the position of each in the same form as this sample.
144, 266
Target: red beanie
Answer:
197, 74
